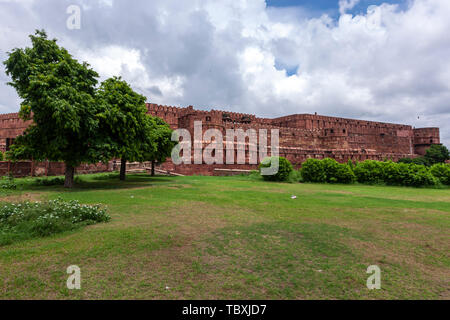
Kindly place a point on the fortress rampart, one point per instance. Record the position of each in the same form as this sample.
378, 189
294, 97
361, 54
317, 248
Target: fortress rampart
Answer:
302, 136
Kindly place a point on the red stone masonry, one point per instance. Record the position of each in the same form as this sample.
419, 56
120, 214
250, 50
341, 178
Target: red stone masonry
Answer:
302, 136
11, 126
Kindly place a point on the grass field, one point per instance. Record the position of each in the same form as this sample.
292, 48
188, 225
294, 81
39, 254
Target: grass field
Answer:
237, 238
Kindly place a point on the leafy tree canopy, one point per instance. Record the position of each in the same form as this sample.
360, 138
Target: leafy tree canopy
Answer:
128, 131
58, 92
159, 140
437, 154
123, 119
72, 120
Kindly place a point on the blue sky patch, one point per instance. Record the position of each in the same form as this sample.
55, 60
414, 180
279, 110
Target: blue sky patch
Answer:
332, 6
290, 70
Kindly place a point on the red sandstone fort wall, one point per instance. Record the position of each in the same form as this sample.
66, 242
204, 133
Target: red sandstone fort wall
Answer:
11, 126
47, 168
305, 135
302, 136
423, 138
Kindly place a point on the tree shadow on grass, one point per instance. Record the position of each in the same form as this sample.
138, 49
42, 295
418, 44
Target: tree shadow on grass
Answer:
132, 181
100, 182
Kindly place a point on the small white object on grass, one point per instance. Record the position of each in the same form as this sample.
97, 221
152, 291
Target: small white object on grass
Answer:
167, 288
294, 197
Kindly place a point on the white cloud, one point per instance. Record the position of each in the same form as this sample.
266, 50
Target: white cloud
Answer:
119, 61
386, 64
113, 60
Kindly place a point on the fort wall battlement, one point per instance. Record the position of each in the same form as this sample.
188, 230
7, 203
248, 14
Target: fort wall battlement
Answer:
301, 136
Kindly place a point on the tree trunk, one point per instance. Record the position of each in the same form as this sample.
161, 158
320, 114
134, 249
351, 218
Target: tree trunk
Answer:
68, 183
153, 168
123, 168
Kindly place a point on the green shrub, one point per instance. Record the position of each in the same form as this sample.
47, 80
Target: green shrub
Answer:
412, 175
345, 174
336, 172
420, 161
422, 177
295, 176
442, 172
326, 170
351, 164
405, 160
284, 170
25, 220
8, 182
55, 181
369, 172
313, 171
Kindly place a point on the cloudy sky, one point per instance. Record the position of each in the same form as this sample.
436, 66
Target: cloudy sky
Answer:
369, 59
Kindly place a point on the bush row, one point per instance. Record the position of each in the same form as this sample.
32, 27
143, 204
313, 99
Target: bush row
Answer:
391, 173
367, 172
326, 171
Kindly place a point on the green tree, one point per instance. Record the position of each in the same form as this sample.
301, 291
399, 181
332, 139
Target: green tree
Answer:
159, 143
437, 153
124, 125
58, 93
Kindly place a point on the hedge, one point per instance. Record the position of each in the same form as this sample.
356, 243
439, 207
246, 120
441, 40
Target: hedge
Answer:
375, 172
366, 172
326, 171
442, 172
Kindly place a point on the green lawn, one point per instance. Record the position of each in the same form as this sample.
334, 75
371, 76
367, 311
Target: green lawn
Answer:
237, 238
